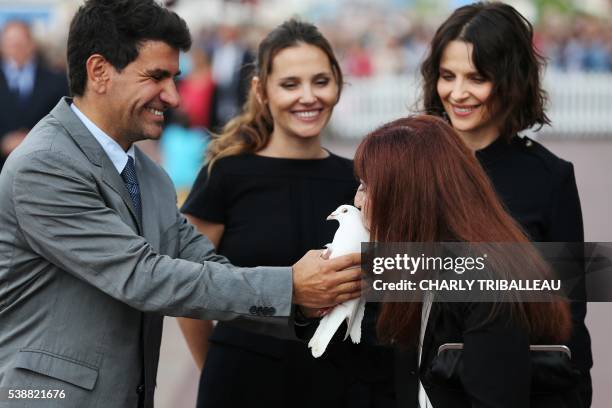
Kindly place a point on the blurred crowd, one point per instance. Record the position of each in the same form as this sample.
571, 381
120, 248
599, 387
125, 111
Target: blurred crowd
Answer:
396, 47
216, 71
585, 45
582, 44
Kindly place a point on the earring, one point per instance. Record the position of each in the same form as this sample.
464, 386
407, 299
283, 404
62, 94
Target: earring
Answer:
445, 116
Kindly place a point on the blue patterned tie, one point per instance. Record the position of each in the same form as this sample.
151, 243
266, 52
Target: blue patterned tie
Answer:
131, 183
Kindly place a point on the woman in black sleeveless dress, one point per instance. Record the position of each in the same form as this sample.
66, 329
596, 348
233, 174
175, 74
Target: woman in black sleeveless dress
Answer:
263, 200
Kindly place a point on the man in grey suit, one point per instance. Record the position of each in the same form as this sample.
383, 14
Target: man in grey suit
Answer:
93, 251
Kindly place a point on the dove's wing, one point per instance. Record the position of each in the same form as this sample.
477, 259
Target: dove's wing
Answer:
352, 317
354, 328
327, 328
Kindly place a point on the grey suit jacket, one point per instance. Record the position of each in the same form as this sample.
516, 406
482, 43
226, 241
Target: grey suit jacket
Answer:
83, 286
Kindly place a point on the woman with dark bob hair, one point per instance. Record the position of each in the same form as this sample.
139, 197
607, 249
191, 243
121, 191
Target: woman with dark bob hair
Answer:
420, 183
483, 75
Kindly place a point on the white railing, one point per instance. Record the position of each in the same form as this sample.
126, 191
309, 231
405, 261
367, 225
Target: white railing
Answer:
580, 105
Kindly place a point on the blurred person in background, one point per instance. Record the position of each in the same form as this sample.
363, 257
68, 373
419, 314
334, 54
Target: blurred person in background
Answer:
358, 61
230, 69
28, 88
391, 58
607, 32
264, 197
596, 56
182, 149
197, 90
416, 44
482, 74
183, 142
585, 46
574, 50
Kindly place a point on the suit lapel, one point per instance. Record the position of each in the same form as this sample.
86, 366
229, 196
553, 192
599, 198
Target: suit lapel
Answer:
39, 84
4, 88
8, 95
94, 152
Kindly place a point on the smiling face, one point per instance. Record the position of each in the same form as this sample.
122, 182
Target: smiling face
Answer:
464, 93
137, 97
301, 92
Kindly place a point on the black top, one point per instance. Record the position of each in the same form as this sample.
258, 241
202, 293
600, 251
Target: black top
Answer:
274, 211
494, 365
539, 191
538, 188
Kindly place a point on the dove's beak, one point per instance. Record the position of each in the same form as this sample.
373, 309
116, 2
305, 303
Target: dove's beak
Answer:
331, 216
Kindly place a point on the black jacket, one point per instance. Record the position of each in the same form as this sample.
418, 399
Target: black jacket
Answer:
539, 191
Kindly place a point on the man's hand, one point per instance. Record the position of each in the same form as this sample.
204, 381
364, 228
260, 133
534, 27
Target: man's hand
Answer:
320, 283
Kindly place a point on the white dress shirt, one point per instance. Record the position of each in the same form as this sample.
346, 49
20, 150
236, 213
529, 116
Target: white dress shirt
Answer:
113, 150
427, 301
20, 79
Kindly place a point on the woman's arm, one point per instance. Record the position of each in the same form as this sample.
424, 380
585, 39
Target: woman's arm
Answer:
212, 230
196, 332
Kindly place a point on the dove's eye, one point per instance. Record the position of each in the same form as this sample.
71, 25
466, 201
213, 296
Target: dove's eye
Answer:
344, 210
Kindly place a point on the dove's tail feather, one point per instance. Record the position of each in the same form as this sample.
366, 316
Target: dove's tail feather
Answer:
353, 306
326, 330
355, 328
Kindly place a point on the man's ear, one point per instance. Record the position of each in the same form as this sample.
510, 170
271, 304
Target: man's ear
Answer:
258, 90
98, 73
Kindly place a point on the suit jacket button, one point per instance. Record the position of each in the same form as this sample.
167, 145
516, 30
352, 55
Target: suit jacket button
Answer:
253, 310
140, 389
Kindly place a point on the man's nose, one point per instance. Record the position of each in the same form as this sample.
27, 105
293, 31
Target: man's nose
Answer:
170, 95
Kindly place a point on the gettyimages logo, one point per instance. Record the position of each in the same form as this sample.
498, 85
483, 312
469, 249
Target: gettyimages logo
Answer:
422, 263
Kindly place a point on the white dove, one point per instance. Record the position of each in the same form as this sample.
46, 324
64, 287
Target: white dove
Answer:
348, 238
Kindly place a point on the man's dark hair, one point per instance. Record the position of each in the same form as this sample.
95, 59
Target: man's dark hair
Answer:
116, 29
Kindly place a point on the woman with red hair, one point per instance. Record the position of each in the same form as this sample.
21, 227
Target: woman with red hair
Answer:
420, 183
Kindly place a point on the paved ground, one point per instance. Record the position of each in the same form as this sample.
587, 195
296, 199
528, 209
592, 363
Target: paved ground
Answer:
177, 379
